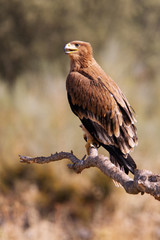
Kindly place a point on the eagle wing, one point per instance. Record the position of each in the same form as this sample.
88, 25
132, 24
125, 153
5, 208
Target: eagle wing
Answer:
103, 109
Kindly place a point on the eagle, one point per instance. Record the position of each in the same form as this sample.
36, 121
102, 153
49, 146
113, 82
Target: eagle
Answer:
106, 116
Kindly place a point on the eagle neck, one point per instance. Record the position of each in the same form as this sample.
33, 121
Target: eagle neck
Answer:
77, 64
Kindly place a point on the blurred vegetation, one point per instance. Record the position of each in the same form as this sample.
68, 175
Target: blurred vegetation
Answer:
50, 201
35, 31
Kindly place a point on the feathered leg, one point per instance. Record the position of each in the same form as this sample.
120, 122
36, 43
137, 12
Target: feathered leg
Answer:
91, 142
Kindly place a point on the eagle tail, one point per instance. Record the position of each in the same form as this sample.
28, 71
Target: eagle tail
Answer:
124, 163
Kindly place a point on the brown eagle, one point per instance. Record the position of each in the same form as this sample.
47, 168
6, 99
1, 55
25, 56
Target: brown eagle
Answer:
106, 115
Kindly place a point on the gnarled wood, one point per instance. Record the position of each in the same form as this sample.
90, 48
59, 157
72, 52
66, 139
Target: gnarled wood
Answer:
144, 181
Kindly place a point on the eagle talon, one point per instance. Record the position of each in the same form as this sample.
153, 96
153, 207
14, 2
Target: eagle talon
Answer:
91, 145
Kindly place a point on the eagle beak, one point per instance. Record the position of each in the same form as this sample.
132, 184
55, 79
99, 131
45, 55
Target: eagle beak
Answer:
70, 48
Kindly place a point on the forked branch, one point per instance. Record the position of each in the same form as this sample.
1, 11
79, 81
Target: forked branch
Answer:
144, 181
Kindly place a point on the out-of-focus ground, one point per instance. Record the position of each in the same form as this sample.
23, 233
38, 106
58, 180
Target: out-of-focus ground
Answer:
50, 201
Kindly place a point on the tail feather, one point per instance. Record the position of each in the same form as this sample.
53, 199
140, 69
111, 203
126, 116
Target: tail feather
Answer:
124, 163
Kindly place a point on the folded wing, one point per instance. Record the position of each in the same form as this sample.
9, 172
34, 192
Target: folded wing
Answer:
102, 108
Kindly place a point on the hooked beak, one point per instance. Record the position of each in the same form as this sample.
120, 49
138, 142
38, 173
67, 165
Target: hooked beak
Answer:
70, 48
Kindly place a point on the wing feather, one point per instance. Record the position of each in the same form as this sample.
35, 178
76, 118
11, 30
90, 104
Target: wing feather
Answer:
94, 96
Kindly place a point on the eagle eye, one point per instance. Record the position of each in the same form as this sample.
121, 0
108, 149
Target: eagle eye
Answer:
76, 45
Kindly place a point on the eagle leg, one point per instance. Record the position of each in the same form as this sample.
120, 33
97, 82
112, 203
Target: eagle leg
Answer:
88, 145
91, 142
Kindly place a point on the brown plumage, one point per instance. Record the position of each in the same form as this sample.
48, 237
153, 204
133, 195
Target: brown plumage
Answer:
100, 105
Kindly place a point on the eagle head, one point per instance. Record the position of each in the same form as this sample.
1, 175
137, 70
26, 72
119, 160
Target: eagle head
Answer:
79, 52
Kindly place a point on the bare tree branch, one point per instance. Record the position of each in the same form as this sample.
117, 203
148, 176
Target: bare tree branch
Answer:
144, 181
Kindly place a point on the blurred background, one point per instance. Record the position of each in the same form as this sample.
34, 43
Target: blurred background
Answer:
50, 201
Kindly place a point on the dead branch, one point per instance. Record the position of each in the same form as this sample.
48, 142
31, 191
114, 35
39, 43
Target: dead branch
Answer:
144, 181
